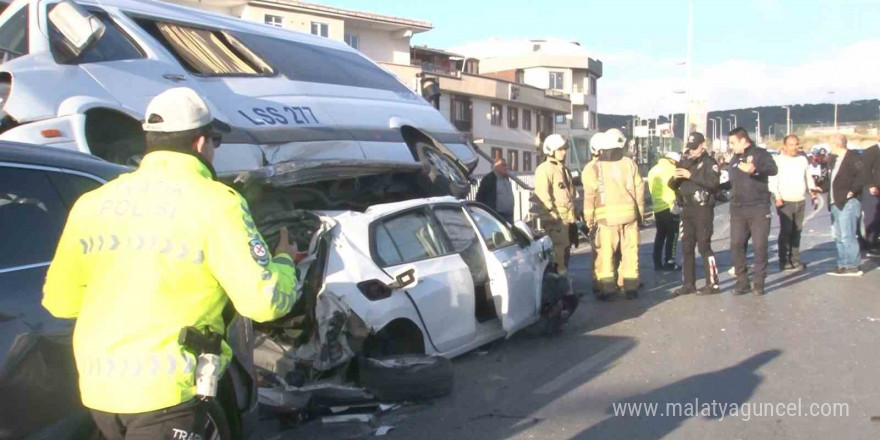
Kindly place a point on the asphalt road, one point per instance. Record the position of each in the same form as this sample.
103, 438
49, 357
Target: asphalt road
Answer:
810, 343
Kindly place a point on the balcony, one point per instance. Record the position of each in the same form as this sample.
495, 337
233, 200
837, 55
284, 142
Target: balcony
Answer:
440, 70
578, 99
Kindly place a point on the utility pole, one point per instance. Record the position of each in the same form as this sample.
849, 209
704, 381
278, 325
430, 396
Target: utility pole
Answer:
758, 129
787, 119
734, 120
689, 61
835, 108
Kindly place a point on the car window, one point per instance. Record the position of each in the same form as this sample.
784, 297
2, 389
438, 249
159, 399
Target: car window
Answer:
457, 227
407, 238
114, 45
494, 232
72, 186
207, 52
31, 217
14, 35
311, 63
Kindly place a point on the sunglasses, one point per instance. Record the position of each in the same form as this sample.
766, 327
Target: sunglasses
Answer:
216, 139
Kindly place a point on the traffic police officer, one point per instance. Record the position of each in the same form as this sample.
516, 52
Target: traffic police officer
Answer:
555, 195
153, 252
696, 182
667, 212
614, 202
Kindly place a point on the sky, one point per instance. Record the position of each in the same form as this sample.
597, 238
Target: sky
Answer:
745, 52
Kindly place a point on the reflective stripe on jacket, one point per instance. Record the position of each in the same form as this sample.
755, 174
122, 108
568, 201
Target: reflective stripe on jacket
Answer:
146, 255
614, 193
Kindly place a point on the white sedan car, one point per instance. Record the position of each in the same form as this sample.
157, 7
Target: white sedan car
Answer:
423, 276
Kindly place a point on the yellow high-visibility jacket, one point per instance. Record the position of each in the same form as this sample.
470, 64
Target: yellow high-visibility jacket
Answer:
662, 196
145, 255
614, 193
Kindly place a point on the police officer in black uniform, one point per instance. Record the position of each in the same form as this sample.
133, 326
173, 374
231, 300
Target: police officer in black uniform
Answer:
696, 182
750, 170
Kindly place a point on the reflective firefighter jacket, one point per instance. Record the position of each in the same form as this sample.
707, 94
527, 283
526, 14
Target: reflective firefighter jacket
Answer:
614, 193
145, 255
554, 190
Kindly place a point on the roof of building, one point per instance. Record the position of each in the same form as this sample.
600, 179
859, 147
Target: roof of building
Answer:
425, 48
418, 24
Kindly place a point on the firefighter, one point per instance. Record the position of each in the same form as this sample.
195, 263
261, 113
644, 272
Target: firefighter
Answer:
614, 202
154, 252
595, 141
696, 182
555, 196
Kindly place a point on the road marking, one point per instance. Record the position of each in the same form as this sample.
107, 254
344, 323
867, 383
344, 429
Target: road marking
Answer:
591, 363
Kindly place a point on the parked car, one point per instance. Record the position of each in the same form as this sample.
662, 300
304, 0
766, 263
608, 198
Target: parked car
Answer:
288, 96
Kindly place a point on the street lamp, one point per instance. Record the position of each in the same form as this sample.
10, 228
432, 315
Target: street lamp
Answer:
730, 124
758, 129
735, 124
835, 108
787, 119
720, 126
713, 128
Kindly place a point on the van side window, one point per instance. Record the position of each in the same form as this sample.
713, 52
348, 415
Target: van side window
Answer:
14, 35
205, 51
114, 45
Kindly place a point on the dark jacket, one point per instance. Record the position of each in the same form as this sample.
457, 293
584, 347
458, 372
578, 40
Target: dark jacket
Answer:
487, 193
751, 190
701, 188
871, 160
849, 179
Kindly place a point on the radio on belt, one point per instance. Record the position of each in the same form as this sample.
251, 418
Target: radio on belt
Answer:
206, 347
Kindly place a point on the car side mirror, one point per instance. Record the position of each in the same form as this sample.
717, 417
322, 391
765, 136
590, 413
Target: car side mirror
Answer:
79, 29
404, 279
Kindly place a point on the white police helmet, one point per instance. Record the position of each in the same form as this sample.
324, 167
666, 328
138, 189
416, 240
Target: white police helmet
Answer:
553, 143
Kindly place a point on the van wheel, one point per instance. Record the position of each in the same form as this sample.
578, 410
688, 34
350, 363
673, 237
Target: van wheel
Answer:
440, 174
409, 377
216, 425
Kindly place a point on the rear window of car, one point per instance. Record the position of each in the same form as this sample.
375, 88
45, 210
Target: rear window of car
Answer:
32, 217
207, 52
310, 63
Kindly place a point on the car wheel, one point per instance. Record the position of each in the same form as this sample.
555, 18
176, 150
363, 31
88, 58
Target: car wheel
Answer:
441, 174
558, 303
410, 377
216, 424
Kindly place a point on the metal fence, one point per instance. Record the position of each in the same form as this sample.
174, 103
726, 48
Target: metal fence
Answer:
520, 195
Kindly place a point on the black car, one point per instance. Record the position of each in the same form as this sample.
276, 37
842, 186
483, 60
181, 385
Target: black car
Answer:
38, 186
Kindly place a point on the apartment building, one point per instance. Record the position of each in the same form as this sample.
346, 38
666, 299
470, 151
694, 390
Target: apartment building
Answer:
563, 68
503, 118
382, 38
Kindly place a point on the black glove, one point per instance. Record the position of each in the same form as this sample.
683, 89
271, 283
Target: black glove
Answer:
573, 235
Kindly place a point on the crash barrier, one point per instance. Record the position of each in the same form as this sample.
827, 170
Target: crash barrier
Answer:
520, 195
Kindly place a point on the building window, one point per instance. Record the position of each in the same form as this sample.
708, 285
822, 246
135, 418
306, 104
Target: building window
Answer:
593, 121
527, 161
512, 117
593, 85
320, 29
536, 47
520, 76
513, 160
353, 40
496, 154
461, 113
527, 120
472, 66
560, 118
273, 20
497, 114
557, 80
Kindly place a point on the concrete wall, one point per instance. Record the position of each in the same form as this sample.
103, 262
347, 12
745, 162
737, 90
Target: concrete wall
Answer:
381, 46
296, 21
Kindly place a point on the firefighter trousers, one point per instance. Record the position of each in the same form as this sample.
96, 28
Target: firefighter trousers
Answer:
558, 233
610, 239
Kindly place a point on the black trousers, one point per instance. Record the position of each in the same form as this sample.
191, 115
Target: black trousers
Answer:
666, 237
173, 423
791, 224
745, 220
696, 232
871, 213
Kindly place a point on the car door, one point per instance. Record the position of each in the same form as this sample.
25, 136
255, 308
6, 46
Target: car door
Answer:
444, 295
514, 271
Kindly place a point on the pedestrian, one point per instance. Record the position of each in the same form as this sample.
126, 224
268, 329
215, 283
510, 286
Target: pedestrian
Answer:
149, 254
614, 203
696, 182
789, 187
843, 188
871, 200
666, 211
555, 199
496, 192
750, 170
